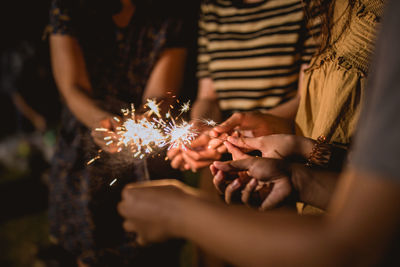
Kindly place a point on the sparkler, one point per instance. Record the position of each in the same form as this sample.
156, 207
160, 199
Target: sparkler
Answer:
146, 135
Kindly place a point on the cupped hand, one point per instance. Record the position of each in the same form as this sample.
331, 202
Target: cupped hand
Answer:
103, 138
262, 182
152, 209
196, 156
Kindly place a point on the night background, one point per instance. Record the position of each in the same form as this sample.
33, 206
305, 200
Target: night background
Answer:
30, 110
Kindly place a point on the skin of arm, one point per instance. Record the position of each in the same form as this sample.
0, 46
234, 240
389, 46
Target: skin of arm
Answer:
288, 110
166, 77
73, 82
354, 234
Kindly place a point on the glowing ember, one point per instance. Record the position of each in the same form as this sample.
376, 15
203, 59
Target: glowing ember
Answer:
153, 106
210, 123
113, 182
180, 135
185, 107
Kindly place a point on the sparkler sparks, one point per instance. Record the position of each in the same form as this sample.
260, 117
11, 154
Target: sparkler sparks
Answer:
185, 107
154, 107
210, 123
147, 135
180, 135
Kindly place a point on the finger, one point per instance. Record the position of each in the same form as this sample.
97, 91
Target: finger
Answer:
207, 154
248, 190
141, 240
213, 170
235, 165
201, 141
222, 149
236, 152
177, 161
228, 125
171, 153
219, 182
129, 226
186, 167
215, 142
231, 189
280, 190
195, 165
245, 142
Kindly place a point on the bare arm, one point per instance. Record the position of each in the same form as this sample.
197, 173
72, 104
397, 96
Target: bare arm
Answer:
288, 110
73, 81
167, 76
353, 236
206, 105
364, 217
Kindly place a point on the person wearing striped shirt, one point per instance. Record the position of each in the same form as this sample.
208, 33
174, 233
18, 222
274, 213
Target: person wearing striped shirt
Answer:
250, 56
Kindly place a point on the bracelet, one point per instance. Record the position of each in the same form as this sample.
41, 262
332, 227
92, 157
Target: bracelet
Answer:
320, 154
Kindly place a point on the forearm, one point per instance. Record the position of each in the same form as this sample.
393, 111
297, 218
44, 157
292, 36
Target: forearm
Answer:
286, 110
72, 79
206, 108
248, 238
314, 186
83, 107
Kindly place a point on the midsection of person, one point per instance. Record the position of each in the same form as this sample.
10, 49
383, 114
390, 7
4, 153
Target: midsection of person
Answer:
253, 52
334, 83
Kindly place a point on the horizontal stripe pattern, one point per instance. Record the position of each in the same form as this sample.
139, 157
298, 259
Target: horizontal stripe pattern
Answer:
253, 52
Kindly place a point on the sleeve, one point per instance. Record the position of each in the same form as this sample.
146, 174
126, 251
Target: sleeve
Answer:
377, 141
203, 58
311, 40
60, 21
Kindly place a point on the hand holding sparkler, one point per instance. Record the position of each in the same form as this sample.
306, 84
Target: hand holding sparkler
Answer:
145, 134
105, 134
199, 154
258, 182
253, 124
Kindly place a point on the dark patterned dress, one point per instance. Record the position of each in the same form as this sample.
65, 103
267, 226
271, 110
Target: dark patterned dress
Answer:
119, 61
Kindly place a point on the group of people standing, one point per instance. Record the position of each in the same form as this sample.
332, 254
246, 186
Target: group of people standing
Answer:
286, 81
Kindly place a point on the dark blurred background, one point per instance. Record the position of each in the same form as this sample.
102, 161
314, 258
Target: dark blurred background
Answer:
29, 116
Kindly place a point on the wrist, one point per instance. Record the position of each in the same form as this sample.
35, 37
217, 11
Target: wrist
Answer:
304, 146
300, 178
179, 223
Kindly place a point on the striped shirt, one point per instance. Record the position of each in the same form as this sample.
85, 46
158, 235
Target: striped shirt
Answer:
253, 52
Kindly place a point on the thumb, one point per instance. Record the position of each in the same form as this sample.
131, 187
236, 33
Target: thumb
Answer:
249, 143
228, 125
236, 152
242, 164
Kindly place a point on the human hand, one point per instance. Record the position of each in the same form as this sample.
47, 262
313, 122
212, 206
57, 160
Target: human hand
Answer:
278, 146
101, 138
266, 185
253, 124
198, 155
153, 209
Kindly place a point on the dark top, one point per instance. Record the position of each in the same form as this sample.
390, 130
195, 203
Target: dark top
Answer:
119, 61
